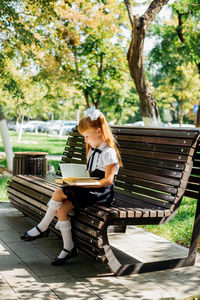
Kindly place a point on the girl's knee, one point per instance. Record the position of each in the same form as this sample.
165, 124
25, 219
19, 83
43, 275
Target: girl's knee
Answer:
58, 195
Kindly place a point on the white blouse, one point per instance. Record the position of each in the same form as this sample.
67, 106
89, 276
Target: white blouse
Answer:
108, 156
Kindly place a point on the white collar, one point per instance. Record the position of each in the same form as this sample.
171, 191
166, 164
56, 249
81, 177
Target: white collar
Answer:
102, 146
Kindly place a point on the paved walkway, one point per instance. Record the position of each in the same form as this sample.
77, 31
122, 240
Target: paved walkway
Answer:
26, 272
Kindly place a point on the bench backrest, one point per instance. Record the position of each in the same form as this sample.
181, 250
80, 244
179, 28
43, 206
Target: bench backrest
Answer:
157, 165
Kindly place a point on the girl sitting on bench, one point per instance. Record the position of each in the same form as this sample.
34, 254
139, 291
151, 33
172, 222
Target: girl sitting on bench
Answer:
103, 162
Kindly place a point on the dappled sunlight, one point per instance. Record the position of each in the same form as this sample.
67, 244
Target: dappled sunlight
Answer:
143, 246
26, 268
3, 250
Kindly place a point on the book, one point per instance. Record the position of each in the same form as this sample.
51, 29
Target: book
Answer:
76, 174
81, 181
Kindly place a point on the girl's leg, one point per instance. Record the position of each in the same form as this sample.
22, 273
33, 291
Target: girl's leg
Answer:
64, 226
53, 205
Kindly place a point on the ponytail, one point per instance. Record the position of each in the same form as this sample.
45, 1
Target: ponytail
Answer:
108, 135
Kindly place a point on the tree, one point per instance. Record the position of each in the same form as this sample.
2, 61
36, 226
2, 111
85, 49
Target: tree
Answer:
182, 87
76, 45
139, 27
178, 46
187, 13
6, 142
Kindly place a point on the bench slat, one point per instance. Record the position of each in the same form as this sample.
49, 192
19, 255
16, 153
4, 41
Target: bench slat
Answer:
33, 186
26, 191
155, 155
92, 221
156, 140
142, 190
181, 133
142, 182
153, 178
154, 148
153, 170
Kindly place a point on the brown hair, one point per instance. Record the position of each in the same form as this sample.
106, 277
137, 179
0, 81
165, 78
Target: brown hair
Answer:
86, 123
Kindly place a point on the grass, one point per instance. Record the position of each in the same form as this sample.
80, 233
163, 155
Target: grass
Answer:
31, 142
55, 163
179, 229
36, 142
3, 184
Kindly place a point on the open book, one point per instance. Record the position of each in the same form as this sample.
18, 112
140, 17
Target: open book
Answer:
76, 174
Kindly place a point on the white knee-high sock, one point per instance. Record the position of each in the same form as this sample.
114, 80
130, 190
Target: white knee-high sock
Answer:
48, 217
65, 228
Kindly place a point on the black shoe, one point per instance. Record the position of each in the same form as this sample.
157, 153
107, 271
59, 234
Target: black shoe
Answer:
28, 238
70, 254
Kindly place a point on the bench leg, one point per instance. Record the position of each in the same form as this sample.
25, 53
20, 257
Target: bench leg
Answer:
118, 269
117, 229
195, 234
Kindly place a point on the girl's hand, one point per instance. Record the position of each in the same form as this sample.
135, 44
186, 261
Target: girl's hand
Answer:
108, 179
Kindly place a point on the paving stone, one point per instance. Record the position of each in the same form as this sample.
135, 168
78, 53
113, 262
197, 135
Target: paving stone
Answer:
143, 289
4, 226
42, 266
190, 274
26, 286
26, 272
83, 265
107, 288
51, 246
69, 288
19, 224
4, 249
9, 261
6, 292
24, 249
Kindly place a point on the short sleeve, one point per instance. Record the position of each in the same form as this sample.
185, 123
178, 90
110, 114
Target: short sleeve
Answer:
109, 157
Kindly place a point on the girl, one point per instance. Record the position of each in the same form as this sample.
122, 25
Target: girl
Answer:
103, 161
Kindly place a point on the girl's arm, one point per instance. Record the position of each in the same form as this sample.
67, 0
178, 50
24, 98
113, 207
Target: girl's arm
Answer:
109, 175
108, 179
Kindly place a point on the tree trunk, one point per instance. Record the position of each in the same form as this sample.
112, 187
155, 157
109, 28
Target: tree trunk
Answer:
148, 104
86, 98
20, 129
63, 121
181, 113
6, 142
150, 113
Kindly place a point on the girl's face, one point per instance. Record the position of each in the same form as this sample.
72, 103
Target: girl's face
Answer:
93, 137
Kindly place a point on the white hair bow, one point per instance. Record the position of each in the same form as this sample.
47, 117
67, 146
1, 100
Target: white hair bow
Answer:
93, 113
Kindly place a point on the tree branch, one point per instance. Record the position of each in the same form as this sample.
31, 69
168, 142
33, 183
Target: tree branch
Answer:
86, 97
129, 9
179, 29
152, 11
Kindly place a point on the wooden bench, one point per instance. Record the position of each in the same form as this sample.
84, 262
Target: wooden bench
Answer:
160, 167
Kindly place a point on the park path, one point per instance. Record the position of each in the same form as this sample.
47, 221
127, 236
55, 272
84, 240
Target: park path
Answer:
26, 272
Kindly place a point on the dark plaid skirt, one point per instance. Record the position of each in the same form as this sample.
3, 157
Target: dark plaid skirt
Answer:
83, 197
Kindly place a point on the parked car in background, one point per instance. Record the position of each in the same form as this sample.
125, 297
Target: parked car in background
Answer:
68, 125
135, 124
51, 126
32, 126
141, 124
54, 127
12, 126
